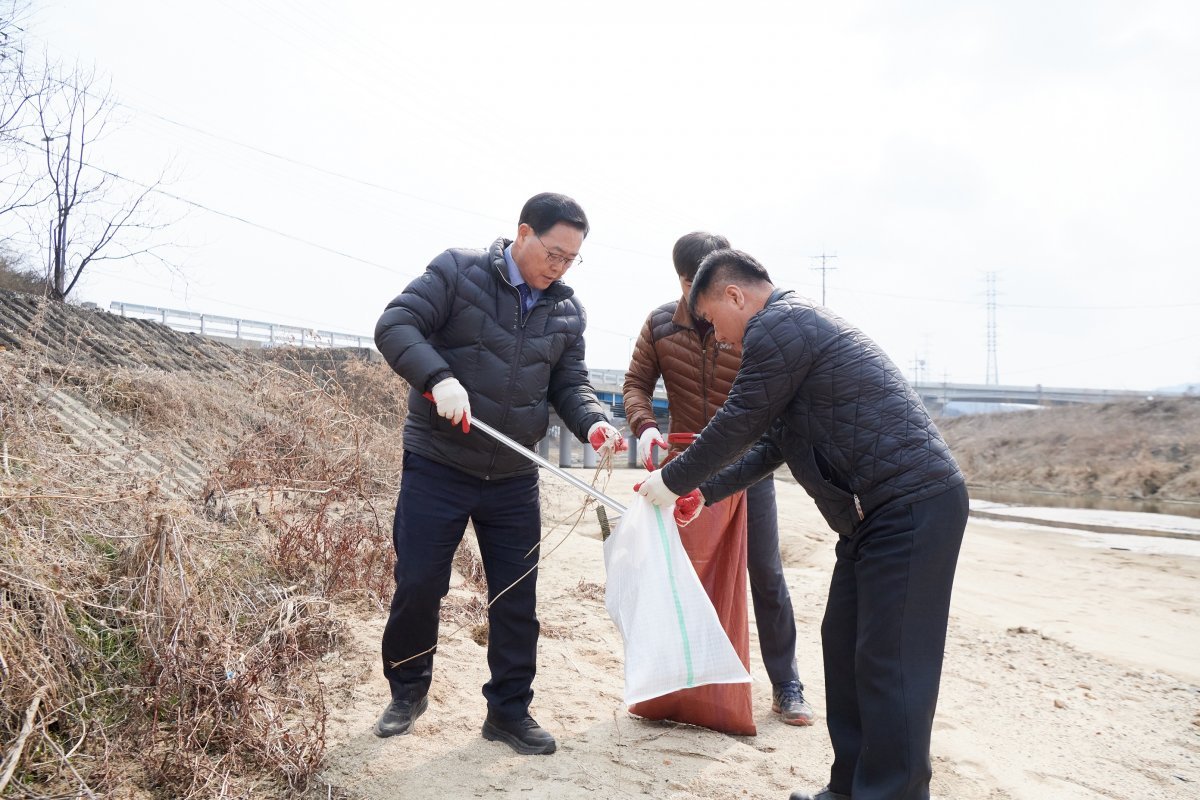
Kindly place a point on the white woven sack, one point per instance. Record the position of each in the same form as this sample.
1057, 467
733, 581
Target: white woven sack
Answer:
673, 637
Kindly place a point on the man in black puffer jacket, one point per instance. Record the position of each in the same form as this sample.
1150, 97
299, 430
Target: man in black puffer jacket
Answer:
493, 334
815, 393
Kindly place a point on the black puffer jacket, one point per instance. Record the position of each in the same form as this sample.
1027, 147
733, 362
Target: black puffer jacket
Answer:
815, 393
461, 319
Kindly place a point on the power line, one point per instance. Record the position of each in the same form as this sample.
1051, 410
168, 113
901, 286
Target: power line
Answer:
824, 269
313, 167
234, 217
1156, 345
1026, 306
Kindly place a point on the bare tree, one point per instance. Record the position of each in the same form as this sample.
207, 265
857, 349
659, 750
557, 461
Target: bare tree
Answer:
13, 84
16, 95
70, 208
91, 214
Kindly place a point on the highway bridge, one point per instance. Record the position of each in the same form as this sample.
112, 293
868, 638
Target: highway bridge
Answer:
608, 384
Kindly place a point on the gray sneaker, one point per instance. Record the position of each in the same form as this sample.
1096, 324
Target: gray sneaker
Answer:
787, 700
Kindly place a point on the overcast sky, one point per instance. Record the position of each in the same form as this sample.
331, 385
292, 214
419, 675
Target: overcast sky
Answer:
1054, 143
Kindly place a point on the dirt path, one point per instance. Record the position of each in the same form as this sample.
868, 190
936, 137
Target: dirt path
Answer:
1071, 672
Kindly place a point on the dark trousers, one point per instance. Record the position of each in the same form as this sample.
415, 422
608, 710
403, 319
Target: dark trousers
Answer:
768, 590
435, 503
883, 638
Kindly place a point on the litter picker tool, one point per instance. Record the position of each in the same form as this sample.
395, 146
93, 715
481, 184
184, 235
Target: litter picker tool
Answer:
512, 444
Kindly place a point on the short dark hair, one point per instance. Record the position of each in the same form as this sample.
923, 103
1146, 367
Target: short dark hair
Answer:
543, 211
691, 249
728, 265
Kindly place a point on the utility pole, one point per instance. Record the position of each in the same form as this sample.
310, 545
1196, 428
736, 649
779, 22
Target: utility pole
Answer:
918, 367
823, 269
993, 371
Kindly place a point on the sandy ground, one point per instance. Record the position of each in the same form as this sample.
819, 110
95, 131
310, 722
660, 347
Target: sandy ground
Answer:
1072, 671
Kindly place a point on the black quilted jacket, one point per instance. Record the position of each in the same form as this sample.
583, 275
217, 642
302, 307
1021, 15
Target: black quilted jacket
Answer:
460, 319
815, 393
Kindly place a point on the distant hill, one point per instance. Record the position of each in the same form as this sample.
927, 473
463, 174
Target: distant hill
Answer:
1140, 449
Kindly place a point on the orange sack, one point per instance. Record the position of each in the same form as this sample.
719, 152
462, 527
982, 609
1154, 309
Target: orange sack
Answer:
716, 544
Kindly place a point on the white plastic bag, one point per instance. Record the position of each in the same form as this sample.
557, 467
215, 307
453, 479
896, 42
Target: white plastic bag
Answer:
673, 638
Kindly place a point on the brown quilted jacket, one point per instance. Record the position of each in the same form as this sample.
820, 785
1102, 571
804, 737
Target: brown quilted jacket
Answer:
697, 371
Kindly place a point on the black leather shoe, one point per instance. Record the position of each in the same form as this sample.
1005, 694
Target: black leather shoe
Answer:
523, 735
399, 716
787, 700
824, 794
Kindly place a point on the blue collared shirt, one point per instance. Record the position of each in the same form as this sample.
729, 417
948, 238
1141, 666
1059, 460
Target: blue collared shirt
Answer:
514, 275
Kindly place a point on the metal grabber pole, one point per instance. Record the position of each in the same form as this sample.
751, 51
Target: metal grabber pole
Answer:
512, 444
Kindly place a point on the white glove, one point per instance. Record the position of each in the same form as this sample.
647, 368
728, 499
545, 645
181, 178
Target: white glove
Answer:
603, 436
452, 401
654, 490
650, 437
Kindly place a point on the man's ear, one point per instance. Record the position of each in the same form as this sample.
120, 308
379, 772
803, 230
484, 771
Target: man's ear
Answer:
734, 293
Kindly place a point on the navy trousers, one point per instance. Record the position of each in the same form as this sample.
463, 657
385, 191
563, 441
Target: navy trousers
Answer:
768, 590
436, 501
883, 638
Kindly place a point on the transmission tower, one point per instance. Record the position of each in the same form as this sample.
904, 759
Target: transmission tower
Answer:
993, 371
823, 269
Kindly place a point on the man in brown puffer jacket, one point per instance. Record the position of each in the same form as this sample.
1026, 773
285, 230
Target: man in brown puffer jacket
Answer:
698, 374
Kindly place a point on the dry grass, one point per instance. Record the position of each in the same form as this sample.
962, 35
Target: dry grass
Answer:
1139, 450
158, 643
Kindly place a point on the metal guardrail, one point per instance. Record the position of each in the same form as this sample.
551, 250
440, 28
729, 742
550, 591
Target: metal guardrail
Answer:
265, 333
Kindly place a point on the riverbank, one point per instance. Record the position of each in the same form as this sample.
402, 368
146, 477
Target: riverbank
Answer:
1143, 450
1066, 676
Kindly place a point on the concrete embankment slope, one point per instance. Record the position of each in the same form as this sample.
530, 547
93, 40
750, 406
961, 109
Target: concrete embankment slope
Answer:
69, 334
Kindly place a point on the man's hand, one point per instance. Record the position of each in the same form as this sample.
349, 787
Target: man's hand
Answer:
654, 490
650, 437
605, 437
452, 402
688, 507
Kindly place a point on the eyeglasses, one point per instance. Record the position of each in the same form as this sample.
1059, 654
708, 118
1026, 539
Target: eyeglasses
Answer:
558, 258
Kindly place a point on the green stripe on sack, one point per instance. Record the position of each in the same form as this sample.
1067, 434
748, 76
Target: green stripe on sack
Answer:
687, 647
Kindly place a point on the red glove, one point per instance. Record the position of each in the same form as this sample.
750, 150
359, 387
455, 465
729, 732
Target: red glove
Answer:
602, 435
651, 437
688, 507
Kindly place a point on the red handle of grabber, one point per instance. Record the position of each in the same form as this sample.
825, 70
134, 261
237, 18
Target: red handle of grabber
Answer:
466, 420
672, 438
